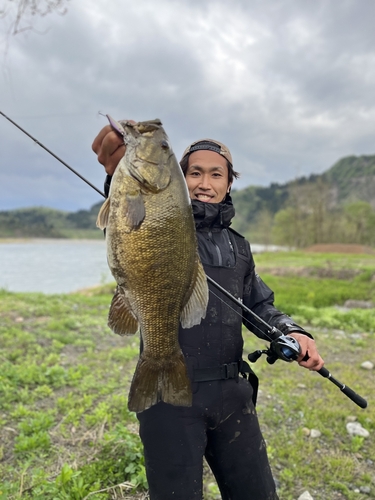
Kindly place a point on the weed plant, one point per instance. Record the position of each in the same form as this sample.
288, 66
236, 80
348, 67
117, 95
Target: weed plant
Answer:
66, 433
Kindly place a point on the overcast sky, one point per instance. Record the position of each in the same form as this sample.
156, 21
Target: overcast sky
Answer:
288, 85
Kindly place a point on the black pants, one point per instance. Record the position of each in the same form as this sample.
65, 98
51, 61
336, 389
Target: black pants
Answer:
222, 425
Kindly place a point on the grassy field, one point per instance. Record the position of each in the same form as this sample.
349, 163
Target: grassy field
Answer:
66, 432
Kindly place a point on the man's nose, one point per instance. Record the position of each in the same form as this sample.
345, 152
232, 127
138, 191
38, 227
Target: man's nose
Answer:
205, 182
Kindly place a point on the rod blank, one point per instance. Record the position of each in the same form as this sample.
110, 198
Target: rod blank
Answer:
356, 398
272, 331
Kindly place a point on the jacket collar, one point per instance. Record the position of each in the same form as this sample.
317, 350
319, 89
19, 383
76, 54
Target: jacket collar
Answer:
213, 215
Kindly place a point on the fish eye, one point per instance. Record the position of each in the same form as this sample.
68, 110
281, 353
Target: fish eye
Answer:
164, 144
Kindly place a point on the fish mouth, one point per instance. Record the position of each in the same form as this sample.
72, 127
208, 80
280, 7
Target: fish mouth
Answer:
141, 128
144, 169
133, 130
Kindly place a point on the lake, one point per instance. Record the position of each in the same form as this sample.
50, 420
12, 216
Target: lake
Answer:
53, 266
58, 266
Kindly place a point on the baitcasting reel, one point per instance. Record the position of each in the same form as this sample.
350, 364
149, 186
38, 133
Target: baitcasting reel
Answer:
283, 347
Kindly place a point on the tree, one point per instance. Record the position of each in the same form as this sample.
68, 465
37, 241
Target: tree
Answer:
261, 231
285, 231
305, 219
361, 218
21, 14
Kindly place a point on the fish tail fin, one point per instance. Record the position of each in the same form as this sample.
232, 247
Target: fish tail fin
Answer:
175, 386
160, 380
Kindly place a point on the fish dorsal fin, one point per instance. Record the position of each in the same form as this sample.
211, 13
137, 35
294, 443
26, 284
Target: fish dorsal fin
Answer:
103, 215
195, 309
121, 319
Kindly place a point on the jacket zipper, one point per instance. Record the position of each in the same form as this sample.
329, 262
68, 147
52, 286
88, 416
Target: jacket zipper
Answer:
216, 248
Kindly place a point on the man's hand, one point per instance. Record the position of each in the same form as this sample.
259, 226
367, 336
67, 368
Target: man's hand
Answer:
309, 357
110, 148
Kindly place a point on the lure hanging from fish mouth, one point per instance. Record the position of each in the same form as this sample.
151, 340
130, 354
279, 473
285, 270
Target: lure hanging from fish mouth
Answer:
272, 334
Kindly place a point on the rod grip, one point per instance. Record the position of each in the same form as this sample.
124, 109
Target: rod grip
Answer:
324, 372
356, 398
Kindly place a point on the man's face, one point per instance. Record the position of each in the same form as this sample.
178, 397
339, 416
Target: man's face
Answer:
207, 176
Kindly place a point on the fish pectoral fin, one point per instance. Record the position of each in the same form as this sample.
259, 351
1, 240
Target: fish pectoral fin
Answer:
103, 215
195, 308
134, 210
121, 319
163, 379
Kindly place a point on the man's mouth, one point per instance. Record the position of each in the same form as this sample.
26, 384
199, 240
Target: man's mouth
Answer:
203, 197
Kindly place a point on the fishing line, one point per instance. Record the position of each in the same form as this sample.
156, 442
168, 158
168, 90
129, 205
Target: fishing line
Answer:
271, 330
52, 154
116, 129
239, 314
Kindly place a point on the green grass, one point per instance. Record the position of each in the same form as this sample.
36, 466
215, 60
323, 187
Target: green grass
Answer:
76, 234
300, 258
89, 234
293, 400
302, 291
66, 432
318, 292
63, 408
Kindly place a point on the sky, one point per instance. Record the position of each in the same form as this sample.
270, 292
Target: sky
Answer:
287, 85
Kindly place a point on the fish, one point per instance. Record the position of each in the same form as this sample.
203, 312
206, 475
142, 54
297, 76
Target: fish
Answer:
153, 255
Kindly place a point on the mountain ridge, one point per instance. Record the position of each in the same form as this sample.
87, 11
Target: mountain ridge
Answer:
350, 179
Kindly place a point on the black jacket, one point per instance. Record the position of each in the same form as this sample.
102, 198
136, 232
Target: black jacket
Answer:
226, 257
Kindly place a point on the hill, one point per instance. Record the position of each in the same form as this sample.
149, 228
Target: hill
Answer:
350, 179
42, 222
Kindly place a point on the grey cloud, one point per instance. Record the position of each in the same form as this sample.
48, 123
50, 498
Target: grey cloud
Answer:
287, 85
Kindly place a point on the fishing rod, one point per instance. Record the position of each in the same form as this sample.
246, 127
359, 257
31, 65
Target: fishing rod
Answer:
53, 154
285, 347
281, 346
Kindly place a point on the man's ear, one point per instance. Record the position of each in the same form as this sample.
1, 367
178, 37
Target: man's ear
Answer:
229, 187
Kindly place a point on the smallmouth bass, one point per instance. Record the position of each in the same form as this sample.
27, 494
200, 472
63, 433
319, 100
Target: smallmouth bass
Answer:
153, 256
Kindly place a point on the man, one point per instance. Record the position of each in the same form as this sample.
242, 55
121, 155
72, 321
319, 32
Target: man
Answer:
222, 424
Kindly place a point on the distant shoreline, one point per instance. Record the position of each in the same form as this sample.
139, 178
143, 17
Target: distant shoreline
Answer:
5, 241
256, 247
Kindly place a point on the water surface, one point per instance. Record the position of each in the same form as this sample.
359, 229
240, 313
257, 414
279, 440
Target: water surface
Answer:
53, 266
58, 266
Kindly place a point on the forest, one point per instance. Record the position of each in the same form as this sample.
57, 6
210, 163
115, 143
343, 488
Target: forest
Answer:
337, 206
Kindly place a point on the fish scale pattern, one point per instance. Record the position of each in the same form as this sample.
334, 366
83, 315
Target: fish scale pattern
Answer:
152, 254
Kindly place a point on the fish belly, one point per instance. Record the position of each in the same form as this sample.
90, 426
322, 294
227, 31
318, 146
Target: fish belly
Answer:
156, 265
